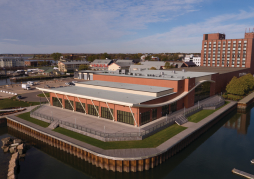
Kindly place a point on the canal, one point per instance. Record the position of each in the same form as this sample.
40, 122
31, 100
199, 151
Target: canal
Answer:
228, 144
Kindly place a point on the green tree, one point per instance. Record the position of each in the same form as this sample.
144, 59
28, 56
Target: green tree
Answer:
237, 86
105, 55
148, 57
83, 67
167, 65
153, 68
56, 56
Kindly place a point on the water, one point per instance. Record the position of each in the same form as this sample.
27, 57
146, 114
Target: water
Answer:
7, 81
227, 145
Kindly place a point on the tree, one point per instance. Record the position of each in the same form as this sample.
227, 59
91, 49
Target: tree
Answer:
240, 86
167, 65
83, 67
56, 56
148, 57
153, 68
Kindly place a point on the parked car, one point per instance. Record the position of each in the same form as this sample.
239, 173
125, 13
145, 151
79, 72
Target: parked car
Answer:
19, 97
30, 83
46, 86
74, 82
67, 83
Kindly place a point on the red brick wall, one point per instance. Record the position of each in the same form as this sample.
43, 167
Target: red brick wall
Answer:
142, 81
100, 104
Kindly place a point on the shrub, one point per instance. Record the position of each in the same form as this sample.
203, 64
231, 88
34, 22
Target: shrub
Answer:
225, 96
234, 97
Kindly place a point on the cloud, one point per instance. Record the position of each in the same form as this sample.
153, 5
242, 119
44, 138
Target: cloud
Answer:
77, 22
188, 38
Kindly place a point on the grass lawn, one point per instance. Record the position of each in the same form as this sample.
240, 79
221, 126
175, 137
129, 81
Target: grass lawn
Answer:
42, 95
26, 116
203, 114
149, 142
7, 103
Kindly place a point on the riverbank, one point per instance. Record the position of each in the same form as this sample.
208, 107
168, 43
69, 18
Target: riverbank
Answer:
245, 102
31, 78
122, 159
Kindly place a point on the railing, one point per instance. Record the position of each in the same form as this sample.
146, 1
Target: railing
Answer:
144, 133
102, 134
7, 110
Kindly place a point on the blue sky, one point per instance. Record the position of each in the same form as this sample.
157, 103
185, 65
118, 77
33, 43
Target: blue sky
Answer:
118, 26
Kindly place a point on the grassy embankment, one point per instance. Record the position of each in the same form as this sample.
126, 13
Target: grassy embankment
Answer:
7, 103
203, 114
42, 95
149, 142
26, 116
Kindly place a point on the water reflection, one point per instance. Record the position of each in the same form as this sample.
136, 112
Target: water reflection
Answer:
213, 155
240, 122
95, 172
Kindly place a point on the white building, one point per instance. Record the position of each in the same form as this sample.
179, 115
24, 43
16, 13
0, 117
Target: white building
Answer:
188, 58
11, 62
197, 60
191, 58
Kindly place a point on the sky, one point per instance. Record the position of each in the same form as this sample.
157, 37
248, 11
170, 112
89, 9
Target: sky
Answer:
119, 26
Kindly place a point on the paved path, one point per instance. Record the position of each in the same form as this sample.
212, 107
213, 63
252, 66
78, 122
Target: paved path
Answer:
88, 121
127, 154
213, 99
247, 99
98, 124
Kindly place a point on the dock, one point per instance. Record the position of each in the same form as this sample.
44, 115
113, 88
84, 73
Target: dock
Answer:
242, 173
246, 101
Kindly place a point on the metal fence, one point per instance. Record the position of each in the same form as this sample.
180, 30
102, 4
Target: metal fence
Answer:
144, 133
149, 131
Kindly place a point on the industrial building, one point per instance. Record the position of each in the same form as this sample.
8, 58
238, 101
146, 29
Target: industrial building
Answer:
135, 98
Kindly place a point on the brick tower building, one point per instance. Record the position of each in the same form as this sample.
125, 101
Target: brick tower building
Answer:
217, 51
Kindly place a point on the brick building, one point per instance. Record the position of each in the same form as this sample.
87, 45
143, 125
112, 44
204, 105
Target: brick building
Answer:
217, 51
137, 98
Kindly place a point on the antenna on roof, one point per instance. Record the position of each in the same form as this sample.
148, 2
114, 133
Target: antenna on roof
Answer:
245, 30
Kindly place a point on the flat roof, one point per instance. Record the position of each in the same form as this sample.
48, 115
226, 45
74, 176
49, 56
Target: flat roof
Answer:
172, 74
220, 70
102, 95
153, 89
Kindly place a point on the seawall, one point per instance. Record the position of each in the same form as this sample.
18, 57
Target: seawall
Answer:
122, 160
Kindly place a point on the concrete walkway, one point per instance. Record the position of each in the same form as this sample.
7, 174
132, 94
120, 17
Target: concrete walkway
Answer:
247, 99
128, 154
95, 123
88, 121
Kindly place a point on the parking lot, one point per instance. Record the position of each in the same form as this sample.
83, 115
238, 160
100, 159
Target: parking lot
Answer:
31, 95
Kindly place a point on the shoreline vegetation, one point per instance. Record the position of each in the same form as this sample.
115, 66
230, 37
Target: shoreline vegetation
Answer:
238, 88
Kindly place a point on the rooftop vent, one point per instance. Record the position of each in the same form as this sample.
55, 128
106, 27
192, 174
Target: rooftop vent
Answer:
162, 73
183, 70
173, 71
